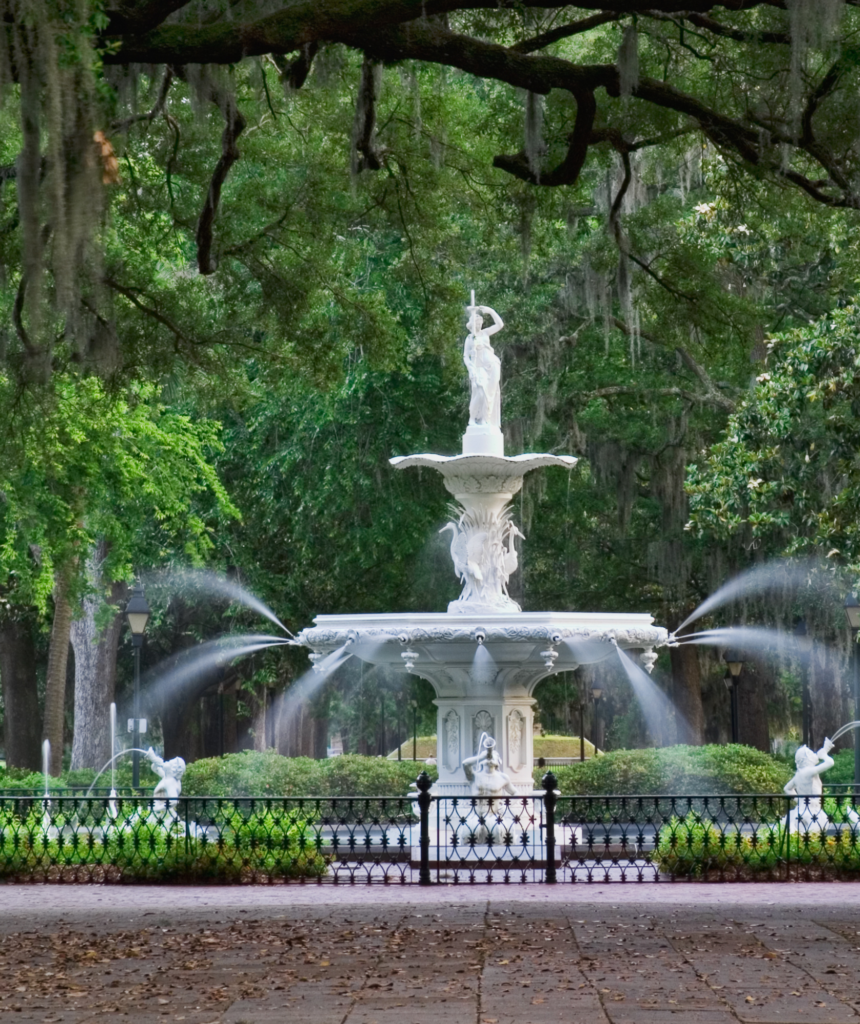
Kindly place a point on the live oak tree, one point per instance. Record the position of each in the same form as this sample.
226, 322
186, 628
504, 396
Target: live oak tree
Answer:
93, 487
770, 84
216, 224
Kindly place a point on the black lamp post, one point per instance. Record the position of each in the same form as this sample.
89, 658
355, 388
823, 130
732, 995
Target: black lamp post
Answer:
414, 705
735, 662
137, 612
804, 642
852, 611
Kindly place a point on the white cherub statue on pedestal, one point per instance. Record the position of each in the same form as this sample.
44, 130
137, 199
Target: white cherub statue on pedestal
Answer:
805, 784
170, 786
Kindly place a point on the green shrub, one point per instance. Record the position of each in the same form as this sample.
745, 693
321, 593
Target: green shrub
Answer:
251, 773
21, 780
842, 772
693, 847
18, 779
677, 770
144, 846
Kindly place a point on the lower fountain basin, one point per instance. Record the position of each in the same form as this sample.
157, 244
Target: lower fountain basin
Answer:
484, 669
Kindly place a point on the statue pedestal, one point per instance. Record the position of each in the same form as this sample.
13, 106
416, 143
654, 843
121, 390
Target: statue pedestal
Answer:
483, 439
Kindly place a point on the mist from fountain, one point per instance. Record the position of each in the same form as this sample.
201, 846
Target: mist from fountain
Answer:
308, 685
212, 583
110, 764
843, 729
776, 575
657, 708
484, 666
205, 656
759, 639
46, 765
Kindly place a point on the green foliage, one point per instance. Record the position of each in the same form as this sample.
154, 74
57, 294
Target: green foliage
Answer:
251, 773
84, 463
786, 475
547, 745
693, 846
152, 847
680, 770
842, 772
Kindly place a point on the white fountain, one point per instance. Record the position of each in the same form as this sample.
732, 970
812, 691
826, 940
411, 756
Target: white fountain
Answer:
484, 656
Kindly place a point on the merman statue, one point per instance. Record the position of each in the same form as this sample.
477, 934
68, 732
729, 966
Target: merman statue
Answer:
805, 784
170, 786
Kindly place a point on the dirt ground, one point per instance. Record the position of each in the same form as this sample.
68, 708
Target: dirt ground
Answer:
492, 954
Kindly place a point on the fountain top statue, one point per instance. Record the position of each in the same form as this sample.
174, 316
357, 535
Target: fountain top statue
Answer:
483, 480
485, 371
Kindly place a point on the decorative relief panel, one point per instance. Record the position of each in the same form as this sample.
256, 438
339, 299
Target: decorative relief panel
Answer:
516, 740
482, 722
452, 740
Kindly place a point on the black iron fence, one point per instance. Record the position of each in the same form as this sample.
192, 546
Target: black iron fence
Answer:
427, 839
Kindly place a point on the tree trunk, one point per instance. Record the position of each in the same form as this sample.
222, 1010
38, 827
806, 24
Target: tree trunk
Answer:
258, 703
825, 685
55, 679
231, 710
95, 669
753, 725
687, 694
22, 722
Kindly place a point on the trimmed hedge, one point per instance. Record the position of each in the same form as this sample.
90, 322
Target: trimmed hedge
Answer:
251, 773
549, 745
677, 770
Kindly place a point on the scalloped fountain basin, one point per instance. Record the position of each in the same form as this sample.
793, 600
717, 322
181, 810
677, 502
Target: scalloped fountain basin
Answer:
484, 669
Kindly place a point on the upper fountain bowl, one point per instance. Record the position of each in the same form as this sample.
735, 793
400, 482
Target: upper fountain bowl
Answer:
483, 474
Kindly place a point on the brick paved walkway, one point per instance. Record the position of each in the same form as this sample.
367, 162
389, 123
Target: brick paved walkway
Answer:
649, 954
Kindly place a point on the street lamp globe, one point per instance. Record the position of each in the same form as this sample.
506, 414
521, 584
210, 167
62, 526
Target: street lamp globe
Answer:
137, 611
735, 662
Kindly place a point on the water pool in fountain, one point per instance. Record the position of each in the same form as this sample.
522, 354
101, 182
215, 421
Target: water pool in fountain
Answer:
484, 656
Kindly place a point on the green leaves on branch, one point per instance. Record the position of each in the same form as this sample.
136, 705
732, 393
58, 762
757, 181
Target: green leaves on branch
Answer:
79, 463
786, 476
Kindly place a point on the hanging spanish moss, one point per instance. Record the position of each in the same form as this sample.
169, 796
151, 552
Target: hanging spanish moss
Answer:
628, 61
409, 81
364, 154
534, 144
813, 25
59, 171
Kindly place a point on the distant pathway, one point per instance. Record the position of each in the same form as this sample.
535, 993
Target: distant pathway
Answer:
497, 954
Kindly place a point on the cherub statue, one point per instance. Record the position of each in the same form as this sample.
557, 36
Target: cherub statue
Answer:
805, 784
484, 366
170, 786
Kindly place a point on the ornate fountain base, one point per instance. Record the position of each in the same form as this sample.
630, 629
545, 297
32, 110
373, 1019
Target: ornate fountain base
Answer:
484, 669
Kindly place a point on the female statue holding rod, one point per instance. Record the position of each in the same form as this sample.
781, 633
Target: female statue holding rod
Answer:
484, 366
